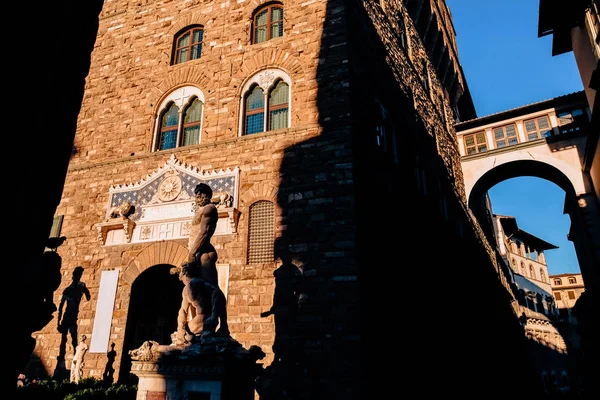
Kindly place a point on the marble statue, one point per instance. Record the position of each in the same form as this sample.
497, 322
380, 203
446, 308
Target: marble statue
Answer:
77, 363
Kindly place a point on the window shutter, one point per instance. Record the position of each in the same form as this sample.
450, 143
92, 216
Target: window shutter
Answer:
261, 236
56, 226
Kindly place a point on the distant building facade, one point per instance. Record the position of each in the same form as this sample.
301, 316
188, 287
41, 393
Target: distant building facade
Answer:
566, 289
553, 341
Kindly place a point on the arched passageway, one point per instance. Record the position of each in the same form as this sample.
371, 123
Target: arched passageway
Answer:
155, 301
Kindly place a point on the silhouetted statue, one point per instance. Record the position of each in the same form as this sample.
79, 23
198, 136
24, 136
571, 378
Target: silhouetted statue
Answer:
70, 300
77, 363
109, 370
287, 297
203, 304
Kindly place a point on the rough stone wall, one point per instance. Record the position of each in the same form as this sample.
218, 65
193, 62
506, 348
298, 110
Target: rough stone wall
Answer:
305, 169
433, 104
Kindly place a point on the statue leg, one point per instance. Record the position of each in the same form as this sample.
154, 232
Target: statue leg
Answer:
220, 304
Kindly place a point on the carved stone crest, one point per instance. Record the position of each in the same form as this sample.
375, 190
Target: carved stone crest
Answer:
148, 351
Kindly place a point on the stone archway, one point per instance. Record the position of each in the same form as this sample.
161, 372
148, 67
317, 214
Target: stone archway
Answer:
155, 299
579, 202
166, 252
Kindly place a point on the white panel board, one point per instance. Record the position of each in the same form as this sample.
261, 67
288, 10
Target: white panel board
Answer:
104, 311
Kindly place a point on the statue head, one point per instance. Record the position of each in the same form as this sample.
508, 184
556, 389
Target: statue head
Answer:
190, 270
203, 193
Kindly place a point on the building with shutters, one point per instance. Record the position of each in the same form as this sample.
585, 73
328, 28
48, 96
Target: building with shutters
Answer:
325, 130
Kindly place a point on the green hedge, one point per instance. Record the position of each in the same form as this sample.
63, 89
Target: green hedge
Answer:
86, 389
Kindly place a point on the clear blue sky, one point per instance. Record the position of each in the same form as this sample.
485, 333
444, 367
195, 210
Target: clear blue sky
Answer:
506, 66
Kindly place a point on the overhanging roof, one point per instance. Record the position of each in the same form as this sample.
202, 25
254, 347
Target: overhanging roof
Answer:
511, 229
556, 18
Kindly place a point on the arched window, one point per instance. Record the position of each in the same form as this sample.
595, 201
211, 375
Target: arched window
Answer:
557, 281
261, 232
572, 280
168, 128
191, 123
255, 111
188, 45
531, 271
523, 271
267, 23
266, 102
278, 106
542, 275
179, 119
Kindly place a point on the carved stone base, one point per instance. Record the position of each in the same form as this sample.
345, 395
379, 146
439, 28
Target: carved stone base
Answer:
215, 368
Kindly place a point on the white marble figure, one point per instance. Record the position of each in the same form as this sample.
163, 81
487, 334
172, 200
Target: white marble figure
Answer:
77, 363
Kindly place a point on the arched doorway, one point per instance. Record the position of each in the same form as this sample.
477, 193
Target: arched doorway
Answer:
152, 314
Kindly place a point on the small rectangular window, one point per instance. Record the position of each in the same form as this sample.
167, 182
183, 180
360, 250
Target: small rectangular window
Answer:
505, 136
537, 128
571, 295
475, 143
557, 296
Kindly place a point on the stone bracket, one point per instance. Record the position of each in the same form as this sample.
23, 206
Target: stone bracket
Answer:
233, 215
116, 223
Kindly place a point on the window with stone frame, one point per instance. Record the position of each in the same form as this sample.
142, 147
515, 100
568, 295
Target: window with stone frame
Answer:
542, 275
188, 44
266, 102
557, 295
505, 136
475, 143
557, 281
179, 119
572, 280
531, 271
537, 128
571, 295
267, 23
261, 232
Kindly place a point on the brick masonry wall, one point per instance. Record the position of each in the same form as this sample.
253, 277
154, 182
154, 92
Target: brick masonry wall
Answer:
305, 169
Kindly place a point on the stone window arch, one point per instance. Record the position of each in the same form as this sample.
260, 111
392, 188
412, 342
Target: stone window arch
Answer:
266, 102
267, 23
187, 44
179, 119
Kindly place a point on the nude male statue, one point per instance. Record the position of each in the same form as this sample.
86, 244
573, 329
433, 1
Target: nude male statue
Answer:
203, 302
77, 363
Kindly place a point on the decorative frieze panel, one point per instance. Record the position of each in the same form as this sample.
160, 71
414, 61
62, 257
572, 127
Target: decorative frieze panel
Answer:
159, 207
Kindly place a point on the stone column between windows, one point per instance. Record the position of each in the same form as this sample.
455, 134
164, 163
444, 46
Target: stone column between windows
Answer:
553, 122
521, 132
490, 138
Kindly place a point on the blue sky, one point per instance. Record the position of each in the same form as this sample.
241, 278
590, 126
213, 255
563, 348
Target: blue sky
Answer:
506, 66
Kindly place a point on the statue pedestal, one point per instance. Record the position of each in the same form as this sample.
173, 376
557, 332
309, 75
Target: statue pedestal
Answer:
210, 369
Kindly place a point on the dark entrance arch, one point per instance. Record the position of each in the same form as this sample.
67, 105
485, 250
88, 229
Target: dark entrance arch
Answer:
152, 315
